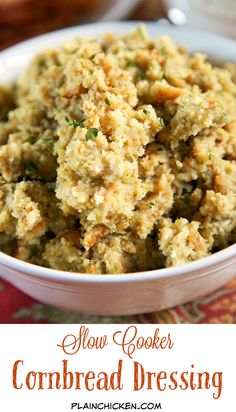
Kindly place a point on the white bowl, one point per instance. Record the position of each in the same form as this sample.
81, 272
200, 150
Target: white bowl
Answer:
126, 293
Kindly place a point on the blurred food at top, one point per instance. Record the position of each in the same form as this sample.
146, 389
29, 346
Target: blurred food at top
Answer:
21, 19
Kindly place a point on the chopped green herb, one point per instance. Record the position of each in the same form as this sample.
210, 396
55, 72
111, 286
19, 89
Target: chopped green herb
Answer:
48, 139
81, 56
41, 61
185, 199
130, 64
164, 75
75, 123
93, 55
162, 49
162, 123
57, 64
31, 139
107, 101
141, 31
92, 133
150, 204
209, 157
130, 159
74, 51
145, 111
160, 149
30, 167
81, 121
141, 76
91, 71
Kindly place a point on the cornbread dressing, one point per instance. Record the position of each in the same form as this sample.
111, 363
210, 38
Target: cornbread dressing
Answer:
117, 156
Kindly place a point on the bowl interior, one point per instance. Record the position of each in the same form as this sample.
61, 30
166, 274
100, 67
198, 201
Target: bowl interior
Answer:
16, 58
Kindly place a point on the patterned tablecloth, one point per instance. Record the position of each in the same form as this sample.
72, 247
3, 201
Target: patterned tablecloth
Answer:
219, 307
